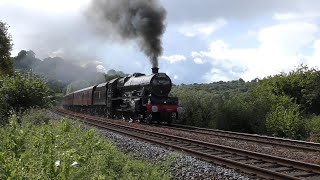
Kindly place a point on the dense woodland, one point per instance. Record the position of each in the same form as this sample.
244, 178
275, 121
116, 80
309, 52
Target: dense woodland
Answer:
284, 105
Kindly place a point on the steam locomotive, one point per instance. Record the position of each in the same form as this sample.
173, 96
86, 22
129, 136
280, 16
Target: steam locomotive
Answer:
136, 97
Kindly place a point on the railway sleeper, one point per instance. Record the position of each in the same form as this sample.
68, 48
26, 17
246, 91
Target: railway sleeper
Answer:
227, 156
310, 176
208, 151
282, 169
180, 143
250, 161
239, 158
192, 146
217, 153
202, 149
266, 165
301, 174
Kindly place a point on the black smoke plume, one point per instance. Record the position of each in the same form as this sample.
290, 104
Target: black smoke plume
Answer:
140, 20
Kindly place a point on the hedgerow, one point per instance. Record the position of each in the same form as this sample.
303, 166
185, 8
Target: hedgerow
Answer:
62, 150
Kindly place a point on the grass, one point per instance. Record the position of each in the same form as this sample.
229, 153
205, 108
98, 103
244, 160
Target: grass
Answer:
35, 149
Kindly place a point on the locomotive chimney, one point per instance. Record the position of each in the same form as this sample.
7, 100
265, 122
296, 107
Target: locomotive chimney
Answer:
155, 70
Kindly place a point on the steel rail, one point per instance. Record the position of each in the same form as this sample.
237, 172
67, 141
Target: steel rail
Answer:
295, 144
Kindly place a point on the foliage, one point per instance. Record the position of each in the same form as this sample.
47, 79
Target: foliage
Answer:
284, 119
26, 61
34, 117
4, 111
6, 65
25, 91
199, 107
236, 115
206, 105
225, 89
62, 150
313, 127
277, 105
300, 85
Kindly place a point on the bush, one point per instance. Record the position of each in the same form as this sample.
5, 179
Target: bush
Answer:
284, 120
4, 111
35, 117
21, 92
6, 64
61, 150
236, 115
313, 127
200, 108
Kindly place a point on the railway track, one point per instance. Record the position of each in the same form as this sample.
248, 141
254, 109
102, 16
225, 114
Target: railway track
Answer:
283, 142
256, 164
288, 143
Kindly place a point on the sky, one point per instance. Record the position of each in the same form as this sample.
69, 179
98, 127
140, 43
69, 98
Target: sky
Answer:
204, 41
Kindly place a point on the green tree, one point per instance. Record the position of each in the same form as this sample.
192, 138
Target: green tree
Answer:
26, 61
313, 127
6, 65
236, 115
284, 119
25, 91
302, 86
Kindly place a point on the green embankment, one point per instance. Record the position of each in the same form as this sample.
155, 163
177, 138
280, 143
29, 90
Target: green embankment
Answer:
34, 147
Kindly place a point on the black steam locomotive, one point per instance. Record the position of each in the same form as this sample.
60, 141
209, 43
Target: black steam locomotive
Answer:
136, 97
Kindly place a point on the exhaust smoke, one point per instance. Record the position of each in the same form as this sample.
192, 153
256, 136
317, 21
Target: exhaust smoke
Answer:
139, 20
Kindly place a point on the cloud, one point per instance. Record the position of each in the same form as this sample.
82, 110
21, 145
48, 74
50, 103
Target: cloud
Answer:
48, 6
180, 11
287, 38
48, 33
295, 16
101, 68
174, 58
199, 29
313, 59
279, 49
198, 61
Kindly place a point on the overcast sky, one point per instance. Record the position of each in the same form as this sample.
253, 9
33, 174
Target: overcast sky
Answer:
204, 42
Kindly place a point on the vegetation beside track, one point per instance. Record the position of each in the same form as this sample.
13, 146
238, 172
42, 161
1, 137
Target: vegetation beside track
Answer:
283, 105
34, 147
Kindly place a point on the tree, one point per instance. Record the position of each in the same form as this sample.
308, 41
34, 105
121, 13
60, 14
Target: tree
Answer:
21, 92
6, 65
284, 120
26, 61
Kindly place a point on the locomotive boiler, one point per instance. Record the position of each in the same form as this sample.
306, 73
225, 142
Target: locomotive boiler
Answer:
136, 97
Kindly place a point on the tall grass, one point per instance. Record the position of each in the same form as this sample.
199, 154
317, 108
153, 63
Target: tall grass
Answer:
35, 149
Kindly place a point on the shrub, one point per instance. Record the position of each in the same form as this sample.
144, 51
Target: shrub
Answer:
25, 91
284, 119
313, 127
62, 150
35, 117
6, 64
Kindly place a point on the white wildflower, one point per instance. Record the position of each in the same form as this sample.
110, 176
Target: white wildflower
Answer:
57, 163
74, 163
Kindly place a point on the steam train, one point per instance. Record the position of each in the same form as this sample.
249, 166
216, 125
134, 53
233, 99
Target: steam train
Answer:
136, 97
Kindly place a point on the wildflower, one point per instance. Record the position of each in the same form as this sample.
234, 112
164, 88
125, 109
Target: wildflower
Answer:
57, 163
74, 163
